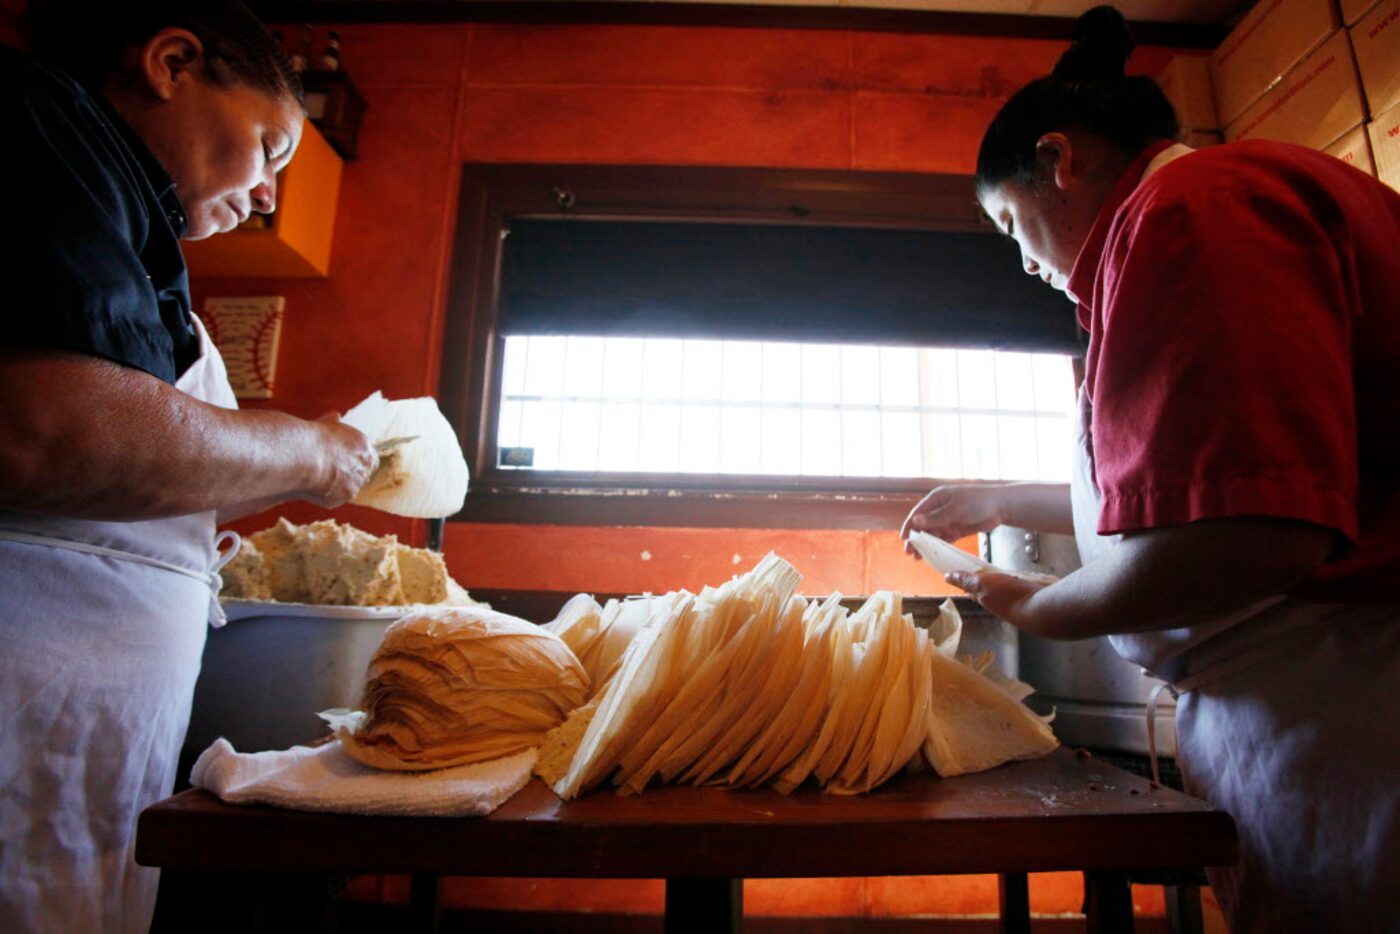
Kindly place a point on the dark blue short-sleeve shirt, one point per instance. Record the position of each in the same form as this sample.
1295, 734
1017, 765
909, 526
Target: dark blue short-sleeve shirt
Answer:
95, 267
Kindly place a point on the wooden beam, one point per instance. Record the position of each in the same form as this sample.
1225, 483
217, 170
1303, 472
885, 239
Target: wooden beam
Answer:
754, 16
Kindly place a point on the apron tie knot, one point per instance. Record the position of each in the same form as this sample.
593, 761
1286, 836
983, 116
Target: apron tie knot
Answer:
231, 539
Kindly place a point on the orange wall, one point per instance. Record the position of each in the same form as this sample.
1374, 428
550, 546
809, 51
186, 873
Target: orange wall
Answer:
440, 95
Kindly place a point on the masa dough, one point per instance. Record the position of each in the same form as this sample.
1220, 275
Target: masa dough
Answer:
329, 563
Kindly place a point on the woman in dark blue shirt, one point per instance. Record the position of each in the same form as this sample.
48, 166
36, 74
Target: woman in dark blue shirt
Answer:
132, 126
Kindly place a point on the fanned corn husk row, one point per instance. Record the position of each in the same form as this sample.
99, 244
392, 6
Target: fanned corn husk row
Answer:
747, 684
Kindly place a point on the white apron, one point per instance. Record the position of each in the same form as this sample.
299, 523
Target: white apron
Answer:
1289, 719
98, 659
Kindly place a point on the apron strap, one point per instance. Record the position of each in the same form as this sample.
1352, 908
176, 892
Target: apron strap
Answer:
211, 578
1152, 726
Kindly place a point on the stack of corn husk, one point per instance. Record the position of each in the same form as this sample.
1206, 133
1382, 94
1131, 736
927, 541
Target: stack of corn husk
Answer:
748, 684
457, 685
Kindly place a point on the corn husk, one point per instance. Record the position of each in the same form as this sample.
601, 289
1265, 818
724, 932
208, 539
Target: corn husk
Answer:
946, 629
599, 635
425, 477
771, 677
949, 558
833, 711
747, 684
632, 694
704, 715
457, 685
974, 725
797, 724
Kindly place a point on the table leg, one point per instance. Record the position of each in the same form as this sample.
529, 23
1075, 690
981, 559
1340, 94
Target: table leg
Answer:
1108, 903
704, 906
1184, 914
1015, 903
425, 905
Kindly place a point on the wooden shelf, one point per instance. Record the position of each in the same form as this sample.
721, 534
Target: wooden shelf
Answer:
298, 244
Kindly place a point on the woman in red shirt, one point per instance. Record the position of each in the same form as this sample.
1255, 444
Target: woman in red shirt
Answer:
1237, 502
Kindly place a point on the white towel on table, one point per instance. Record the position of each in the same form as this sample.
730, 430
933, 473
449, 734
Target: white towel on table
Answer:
325, 778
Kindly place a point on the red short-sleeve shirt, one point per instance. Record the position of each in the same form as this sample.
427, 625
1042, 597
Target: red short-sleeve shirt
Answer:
1243, 310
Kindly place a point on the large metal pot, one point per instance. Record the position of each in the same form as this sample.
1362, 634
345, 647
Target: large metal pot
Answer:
268, 672
1099, 697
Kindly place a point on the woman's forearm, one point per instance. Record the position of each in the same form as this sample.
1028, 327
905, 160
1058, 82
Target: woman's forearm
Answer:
1177, 576
80, 436
1041, 506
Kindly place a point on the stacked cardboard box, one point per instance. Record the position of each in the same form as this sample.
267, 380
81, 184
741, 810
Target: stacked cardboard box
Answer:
1384, 133
1186, 83
1288, 72
1314, 104
1375, 39
1354, 148
1353, 10
1274, 37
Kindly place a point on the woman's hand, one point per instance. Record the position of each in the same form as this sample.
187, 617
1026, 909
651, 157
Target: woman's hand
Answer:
1005, 596
348, 461
958, 509
954, 511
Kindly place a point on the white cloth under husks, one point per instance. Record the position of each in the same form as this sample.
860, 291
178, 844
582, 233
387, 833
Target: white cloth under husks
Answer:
324, 778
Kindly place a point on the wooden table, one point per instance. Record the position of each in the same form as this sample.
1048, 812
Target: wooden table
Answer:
1067, 811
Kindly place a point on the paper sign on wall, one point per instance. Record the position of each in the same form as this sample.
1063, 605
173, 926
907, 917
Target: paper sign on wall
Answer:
246, 331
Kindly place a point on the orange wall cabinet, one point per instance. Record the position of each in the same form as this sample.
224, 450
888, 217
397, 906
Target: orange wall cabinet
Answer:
298, 243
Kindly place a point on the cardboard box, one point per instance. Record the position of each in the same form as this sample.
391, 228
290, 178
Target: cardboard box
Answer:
1384, 132
1376, 42
1273, 37
1353, 10
1186, 83
1354, 148
1313, 105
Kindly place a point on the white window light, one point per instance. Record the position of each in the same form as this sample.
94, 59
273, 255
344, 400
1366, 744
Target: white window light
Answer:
618, 404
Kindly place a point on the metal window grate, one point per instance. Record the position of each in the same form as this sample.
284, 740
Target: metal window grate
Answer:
748, 407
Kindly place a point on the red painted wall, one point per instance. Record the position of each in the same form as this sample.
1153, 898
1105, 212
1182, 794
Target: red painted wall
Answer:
440, 95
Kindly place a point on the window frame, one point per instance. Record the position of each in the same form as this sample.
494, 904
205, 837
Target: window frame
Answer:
492, 194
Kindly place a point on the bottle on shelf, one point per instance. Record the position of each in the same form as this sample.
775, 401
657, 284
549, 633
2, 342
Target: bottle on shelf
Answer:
330, 58
301, 59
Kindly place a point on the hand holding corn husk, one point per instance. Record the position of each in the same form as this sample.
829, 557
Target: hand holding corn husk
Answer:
421, 472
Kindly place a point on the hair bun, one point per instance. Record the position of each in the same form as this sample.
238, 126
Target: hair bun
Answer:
1099, 49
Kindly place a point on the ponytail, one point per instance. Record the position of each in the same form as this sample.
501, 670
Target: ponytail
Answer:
1087, 91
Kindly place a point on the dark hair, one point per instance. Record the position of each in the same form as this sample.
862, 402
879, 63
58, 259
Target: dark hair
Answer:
1087, 91
87, 39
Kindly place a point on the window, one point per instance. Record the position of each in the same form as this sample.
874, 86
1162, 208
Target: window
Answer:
625, 404
742, 347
